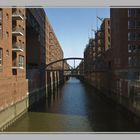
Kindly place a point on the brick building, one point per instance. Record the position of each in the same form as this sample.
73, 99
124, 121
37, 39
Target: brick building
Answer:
117, 66
125, 30
27, 44
125, 42
53, 49
35, 53
97, 55
90, 55
13, 84
54, 52
105, 34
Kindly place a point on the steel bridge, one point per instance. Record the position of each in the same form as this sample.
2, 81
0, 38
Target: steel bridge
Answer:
69, 70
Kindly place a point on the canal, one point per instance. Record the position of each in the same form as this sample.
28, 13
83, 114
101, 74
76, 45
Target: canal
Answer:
76, 107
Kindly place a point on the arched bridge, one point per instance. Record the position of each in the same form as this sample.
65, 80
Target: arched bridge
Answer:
65, 67
64, 59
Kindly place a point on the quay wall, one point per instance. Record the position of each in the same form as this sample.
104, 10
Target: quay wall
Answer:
123, 91
13, 100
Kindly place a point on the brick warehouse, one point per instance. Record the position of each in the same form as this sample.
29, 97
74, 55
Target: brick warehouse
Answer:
24, 47
35, 53
96, 56
13, 83
53, 52
125, 28
53, 49
116, 70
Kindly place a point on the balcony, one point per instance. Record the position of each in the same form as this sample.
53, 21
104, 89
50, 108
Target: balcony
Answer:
17, 66
16, 15
17, 47
18, 31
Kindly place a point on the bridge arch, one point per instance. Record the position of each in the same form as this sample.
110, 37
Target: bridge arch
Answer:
64, 59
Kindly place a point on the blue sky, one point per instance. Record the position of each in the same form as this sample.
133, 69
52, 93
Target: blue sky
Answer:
72, 27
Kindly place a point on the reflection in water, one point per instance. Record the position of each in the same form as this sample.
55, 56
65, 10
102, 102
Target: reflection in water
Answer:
77, 107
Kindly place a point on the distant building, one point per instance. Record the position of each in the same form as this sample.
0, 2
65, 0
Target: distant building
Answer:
105, 34
89, 55
53, 49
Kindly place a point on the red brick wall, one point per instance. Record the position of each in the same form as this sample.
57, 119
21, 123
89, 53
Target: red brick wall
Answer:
12, 90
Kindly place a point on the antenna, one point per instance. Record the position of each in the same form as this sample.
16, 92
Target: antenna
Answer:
88, 35
91, 33
101, 19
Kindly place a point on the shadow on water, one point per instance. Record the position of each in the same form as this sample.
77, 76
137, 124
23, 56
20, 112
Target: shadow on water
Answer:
102, 113
106, 115
77, 107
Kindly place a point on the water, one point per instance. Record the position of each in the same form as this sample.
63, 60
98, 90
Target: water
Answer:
77, 107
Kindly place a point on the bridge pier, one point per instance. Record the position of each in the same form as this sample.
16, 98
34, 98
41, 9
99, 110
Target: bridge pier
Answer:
53, 80
56, 77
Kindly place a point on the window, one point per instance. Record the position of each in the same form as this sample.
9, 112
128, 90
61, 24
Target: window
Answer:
108, 38
138, 12
0, 57
7, 35
131, 24
138, 24
19, 42
7, 52
108, 22
7, 16
131, 12
131, 36
138, 36
22, 45
129, 60
138, 47
0, 31
131, 48
21, 61
108, 30
19, 11
132, 61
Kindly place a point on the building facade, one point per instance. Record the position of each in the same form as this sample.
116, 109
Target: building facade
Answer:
54, 52
35, 53
53, 48
13, 83
116, 70
97, 55
125, 33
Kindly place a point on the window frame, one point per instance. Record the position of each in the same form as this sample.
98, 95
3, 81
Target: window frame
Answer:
21, 61
1, 56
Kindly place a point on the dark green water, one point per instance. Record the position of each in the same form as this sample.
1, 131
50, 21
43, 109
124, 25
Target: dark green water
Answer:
76, 107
